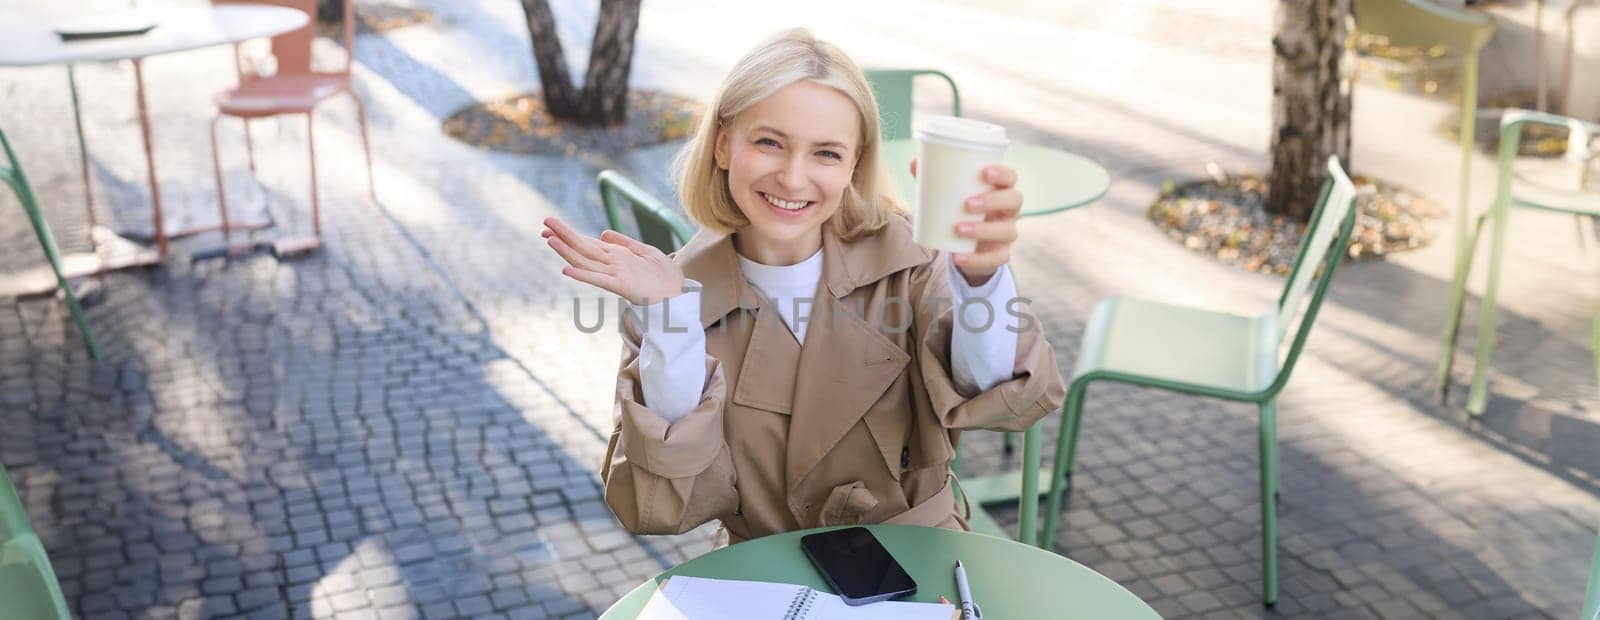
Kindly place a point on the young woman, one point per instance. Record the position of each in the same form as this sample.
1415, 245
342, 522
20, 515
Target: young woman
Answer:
800, 362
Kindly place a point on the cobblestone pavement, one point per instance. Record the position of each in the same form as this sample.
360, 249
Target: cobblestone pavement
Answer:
407, 424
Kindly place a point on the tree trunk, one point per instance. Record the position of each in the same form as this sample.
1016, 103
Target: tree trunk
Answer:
560, 98
331, 11
1311, 102
605, 88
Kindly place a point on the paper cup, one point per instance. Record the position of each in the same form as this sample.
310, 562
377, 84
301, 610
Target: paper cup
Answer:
951, 155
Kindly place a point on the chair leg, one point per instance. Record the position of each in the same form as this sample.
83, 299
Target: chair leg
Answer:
78, 316
1591, 601
1066, 450
361, 118
1486, 317
1028, 504
1468, 138
216, 166
1458, 295
249, 146
1269, 502
311, 145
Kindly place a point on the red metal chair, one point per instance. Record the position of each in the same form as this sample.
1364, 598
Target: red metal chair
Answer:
294, 89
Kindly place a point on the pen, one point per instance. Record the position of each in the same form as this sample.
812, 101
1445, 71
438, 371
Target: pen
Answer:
969, 607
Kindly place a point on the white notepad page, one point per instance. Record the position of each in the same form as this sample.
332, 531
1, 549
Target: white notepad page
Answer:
700, 598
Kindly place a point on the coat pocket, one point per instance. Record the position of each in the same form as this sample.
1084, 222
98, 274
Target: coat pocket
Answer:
847, 504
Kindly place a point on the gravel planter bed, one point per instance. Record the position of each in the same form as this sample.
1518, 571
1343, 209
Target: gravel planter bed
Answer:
1227, 220
376, 17
520, 124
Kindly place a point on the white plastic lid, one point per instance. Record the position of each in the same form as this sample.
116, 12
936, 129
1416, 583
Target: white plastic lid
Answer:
962, 132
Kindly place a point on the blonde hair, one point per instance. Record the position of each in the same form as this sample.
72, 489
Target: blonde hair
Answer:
783, 59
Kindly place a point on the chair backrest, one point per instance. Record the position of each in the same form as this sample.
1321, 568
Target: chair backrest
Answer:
293, 49
1327, 240
28, 584
1580, 133
1421, 23
1512, 121
13, 518
893, 90
658, 225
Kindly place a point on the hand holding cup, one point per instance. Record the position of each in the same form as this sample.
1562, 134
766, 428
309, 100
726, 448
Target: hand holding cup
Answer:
966, 203
996, 232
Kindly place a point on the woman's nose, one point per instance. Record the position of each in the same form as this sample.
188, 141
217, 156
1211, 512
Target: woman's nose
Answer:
794, 174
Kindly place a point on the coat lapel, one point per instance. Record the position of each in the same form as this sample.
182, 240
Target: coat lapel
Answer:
767, 377
845, 366
846, 363
709, 258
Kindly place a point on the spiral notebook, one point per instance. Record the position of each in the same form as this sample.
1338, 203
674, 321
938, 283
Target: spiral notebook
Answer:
700, 598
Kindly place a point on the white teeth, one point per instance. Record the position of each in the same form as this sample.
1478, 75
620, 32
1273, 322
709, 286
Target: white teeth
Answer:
784, 204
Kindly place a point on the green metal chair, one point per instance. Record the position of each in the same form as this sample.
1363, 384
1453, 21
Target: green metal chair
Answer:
658, 225
1214, 354
1425, 24
893, 88
1543, 185
28, 586
14, 177
1591, 605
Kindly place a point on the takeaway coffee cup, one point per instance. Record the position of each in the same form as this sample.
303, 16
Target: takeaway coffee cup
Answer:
951, 155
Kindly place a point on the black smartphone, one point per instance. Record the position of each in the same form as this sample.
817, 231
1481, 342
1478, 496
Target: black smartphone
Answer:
857, 566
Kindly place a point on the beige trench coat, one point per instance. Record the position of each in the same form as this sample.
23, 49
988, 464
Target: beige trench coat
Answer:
856, 426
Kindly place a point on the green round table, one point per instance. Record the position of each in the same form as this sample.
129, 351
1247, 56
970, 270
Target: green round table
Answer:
1050, 179
1009, 579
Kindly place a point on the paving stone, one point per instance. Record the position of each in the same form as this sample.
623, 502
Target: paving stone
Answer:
562, 607
473, 607
399, 613
439, 610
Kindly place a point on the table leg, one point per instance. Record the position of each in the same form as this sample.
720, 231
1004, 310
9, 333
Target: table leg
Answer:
150, 160
1027, 531
155, 190
83, 147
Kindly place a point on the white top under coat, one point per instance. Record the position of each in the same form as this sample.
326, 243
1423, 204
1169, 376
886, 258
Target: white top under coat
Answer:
783, 285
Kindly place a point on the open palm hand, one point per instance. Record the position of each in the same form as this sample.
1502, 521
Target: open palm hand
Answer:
632, 269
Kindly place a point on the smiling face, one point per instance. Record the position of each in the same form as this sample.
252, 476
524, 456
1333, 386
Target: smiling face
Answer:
790, 159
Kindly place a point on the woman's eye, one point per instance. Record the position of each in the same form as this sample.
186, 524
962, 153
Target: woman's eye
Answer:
767, 142
830, 155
